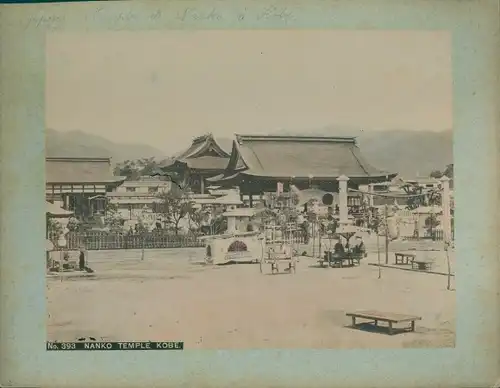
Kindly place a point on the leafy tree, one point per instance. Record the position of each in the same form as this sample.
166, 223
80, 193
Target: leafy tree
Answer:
134, 169
416, 198
449, 171
73, 224
434, 198
175, 205
436, 174
196, 217
54, 230
148, 166
113, 220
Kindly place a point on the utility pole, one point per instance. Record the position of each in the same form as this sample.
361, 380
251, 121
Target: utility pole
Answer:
386, 236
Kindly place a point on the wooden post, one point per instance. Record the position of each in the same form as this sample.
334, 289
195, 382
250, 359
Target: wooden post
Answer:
386, 236
319, 246
445, 203
313, 233
343, 213
378, 255
202, 185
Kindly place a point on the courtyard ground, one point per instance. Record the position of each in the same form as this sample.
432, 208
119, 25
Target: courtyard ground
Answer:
171, 295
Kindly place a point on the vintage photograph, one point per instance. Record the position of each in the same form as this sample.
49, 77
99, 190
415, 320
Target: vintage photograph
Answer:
250, 189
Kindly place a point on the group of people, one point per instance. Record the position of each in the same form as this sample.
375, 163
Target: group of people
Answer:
357, 248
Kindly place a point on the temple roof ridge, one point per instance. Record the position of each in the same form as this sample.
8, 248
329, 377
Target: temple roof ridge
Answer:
300, 138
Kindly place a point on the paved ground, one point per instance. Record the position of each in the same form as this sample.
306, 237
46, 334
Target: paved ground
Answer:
171, 296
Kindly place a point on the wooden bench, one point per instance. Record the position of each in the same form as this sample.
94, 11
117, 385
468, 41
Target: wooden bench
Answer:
422, 265
390, 318
404, 258
274, 258
339, 259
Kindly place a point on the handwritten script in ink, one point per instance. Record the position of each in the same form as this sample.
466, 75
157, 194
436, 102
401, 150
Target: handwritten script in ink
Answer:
45, 21
196, 14
279, 13
189, 14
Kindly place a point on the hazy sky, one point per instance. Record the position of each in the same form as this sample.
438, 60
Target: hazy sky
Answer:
165, 87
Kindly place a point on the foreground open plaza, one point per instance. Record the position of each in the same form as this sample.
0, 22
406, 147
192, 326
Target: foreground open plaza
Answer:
174, 295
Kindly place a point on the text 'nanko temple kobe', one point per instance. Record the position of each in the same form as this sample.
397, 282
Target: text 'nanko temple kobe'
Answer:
258, 163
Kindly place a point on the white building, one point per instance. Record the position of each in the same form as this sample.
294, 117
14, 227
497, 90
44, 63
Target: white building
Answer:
136, 199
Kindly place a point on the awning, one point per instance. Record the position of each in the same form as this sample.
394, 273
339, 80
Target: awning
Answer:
55, 210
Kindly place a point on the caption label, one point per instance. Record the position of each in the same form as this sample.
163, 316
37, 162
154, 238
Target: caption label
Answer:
149, 345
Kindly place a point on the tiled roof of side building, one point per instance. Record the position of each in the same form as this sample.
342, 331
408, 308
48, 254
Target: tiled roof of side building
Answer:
79, 170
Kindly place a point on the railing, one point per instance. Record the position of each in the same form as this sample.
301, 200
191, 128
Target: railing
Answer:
436, 235
149, 240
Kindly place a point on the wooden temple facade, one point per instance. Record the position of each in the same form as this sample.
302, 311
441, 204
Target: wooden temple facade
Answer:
80, 184
205, 158
258, 163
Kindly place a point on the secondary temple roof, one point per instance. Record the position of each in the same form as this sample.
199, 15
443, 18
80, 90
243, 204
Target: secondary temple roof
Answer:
79, 170
204, 153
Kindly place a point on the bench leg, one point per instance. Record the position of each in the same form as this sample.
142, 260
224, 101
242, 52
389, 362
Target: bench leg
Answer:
353, 321
412, 325
390, 328
376, 322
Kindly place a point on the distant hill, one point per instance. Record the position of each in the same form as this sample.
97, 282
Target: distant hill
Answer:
79, 143
410, 153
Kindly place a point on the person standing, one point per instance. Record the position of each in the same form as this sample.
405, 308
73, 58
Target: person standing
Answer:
81, 261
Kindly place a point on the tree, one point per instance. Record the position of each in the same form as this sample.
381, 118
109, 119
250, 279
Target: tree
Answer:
196, 217
174, 206
148, 166
54, 230
416, 197
436, 174
113, 220
449, 171
73, 224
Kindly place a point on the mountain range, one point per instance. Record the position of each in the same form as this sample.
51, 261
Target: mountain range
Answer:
411, 153
81, 144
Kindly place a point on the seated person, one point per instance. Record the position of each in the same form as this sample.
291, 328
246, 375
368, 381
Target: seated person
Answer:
359, 246
338, 248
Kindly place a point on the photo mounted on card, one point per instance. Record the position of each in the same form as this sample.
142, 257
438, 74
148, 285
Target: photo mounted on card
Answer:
206, 194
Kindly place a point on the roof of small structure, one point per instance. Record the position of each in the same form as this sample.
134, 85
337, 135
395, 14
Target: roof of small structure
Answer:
240, 212
300, 157
231, 198
79, 170
54, 210
428, 210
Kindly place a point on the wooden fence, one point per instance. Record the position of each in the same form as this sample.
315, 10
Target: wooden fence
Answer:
103, 240
94, 240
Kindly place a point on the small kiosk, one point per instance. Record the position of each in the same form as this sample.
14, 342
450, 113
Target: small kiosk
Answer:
238, 244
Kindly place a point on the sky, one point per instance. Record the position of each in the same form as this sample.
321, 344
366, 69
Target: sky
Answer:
163, 88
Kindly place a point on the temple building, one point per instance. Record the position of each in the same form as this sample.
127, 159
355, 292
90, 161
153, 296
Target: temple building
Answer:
205, 158
258, 163
80, 184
